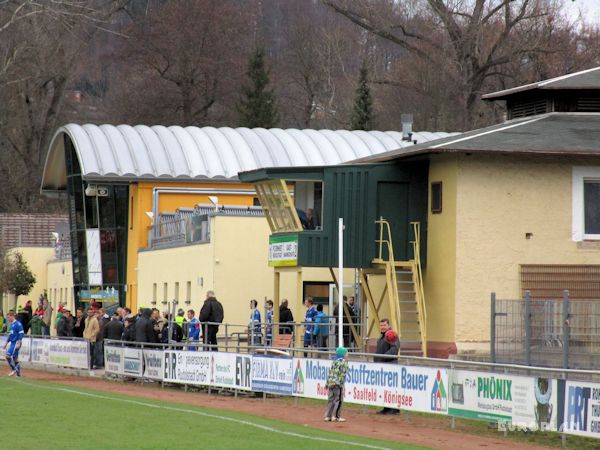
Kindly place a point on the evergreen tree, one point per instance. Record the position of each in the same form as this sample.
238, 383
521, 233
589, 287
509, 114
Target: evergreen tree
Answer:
257, 107
18, 278
362, 114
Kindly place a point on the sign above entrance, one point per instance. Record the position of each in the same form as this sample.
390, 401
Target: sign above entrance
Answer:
283, 250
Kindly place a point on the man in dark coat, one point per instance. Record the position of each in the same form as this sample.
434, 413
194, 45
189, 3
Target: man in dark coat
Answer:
64, 327
212, 311
129, 329
285, 316
79, 323
144, 330
113, 330
387, 347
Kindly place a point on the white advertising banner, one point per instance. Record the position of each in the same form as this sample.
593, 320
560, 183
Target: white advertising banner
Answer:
582, 409
113, 359
186, 367
67, 353
132, 362
24, 352
123, 361
272, 375
154, 364
231, 370
390, 385
39, 351
526, 402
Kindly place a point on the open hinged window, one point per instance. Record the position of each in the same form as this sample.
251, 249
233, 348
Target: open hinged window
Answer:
291, 205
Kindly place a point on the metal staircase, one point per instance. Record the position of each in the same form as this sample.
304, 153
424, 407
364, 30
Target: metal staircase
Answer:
404, 287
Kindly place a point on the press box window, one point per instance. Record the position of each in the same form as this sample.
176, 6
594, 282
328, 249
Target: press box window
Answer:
591, 206
436, 197
586, 203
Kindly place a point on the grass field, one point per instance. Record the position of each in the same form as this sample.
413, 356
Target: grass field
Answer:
50, 416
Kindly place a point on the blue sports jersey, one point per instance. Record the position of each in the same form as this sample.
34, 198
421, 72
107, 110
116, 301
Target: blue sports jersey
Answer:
311, 313
255, 319
16, 332
194, 329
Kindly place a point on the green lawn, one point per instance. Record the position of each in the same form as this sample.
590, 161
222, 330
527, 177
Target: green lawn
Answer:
51, 416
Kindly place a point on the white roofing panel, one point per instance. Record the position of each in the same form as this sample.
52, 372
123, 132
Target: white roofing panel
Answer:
263, 153
142, 152
308, 147
191, 152
175, 154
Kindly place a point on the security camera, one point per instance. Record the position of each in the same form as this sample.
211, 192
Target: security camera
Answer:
91, 190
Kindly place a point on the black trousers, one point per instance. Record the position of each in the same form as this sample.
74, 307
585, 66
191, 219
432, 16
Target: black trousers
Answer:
210, 337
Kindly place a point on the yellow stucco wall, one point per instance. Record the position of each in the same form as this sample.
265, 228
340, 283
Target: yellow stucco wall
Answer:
234, 264
60, 283
439, 277
140, 201
37, 258
499, 200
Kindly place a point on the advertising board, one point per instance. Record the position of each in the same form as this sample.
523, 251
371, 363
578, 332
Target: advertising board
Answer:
582, 409
410, 388
527, 402
273, 375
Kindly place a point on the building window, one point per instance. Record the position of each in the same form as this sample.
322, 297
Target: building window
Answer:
188, 293
586, 203
436, 197
177, 290
154, 289
165, 292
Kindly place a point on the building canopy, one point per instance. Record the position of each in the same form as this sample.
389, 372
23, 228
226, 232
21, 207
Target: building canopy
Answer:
126, 153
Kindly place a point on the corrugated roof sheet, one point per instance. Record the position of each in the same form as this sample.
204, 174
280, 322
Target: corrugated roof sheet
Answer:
585, 79
553, 133
123, 152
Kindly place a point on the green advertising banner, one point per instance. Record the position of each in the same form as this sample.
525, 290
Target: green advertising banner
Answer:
283, 251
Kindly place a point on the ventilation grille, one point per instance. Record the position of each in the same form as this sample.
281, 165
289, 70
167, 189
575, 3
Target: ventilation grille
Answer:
529, 108
588, 104
549, 281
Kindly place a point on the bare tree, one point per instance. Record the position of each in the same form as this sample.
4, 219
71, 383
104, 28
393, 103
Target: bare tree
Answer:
478, 39
192, 53
43, 46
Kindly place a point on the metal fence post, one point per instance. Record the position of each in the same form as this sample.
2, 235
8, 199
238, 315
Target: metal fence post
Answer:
566, 329
493, 327
527, 328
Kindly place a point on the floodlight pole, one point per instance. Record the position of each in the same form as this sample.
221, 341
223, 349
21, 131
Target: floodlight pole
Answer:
341, 282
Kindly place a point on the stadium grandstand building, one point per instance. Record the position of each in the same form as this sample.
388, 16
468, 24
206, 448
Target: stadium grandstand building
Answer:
122, 182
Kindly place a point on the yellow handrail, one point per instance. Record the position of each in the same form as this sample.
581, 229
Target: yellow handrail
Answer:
390, 269
419, 288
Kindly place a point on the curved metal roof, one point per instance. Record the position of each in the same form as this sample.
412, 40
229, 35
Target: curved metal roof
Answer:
126, 153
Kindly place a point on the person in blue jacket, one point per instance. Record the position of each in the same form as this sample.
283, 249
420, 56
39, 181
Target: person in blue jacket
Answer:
194, 330
309, 318
254, 327
13, 343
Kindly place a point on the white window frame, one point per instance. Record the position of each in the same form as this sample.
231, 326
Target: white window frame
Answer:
580, 176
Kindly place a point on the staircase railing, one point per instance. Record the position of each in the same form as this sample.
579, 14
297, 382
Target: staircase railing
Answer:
390, 270
418, 281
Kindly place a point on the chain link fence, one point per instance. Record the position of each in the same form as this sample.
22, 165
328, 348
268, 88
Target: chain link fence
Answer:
551, 333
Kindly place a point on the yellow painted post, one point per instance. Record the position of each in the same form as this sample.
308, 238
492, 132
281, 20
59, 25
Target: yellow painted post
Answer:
276, 292
299, 299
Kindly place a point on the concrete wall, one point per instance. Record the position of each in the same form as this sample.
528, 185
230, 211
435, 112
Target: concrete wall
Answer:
499, 200
439, 277
234, 265
60, 284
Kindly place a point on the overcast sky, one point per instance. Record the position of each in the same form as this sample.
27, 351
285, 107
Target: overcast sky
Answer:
589, 8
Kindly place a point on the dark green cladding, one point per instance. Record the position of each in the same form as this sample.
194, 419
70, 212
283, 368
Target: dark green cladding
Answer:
360, 193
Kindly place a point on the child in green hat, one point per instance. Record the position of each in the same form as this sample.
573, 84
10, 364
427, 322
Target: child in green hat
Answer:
335, 385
